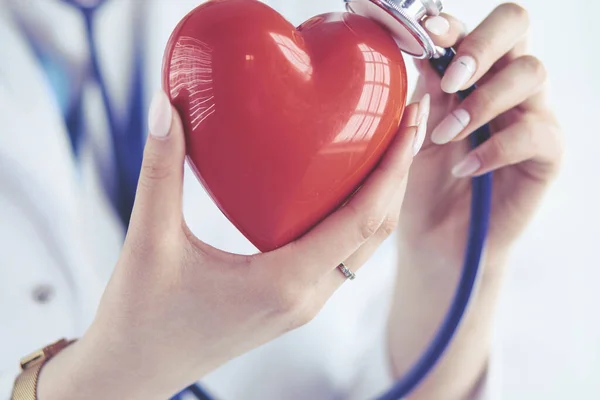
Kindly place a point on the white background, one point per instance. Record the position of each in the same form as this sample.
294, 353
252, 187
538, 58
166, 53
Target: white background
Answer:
550, 308
549, 316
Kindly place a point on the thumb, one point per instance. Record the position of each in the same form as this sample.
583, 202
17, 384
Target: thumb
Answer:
158, 202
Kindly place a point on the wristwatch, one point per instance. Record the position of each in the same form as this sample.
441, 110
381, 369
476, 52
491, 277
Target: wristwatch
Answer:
25, 387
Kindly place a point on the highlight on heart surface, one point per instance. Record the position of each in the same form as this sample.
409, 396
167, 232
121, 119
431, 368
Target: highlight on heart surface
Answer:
282, 124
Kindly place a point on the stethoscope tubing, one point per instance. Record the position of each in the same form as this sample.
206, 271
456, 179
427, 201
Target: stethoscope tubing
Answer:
127, 141
481, 199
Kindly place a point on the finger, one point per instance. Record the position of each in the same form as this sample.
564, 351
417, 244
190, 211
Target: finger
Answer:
445, 30
409, 118
491, 40
334, 280
538, 102
518, 143
159, 193
520, 49
415, 114
343, 232
520, 80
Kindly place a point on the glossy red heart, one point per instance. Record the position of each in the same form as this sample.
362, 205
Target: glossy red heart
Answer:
282, 124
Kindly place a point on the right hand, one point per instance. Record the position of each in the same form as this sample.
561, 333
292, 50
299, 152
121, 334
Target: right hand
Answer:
177, 308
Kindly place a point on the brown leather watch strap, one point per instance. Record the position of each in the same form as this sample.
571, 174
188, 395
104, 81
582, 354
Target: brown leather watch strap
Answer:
25, 387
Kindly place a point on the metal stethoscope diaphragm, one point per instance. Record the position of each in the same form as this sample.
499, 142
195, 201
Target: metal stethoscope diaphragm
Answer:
402, 18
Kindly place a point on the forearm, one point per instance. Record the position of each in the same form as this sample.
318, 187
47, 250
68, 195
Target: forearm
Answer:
425, 287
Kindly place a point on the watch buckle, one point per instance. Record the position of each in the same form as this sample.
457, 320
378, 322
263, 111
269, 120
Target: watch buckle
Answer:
44, 354
32, 358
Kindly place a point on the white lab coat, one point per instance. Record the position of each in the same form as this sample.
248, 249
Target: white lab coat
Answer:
59, 238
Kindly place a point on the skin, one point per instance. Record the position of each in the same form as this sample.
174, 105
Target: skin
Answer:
524, 152
176, 308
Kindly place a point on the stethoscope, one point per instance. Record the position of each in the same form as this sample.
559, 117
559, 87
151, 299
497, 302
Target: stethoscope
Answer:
403, 20
127, 135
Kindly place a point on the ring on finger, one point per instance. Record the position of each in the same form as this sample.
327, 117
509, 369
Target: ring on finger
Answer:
347, 273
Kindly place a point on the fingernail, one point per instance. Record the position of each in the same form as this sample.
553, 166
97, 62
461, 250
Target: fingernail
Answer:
160, 115
437, 25
424, 108
450, 127
458, 74
466, 167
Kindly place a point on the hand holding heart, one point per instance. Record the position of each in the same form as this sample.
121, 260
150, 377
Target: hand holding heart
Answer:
177, 308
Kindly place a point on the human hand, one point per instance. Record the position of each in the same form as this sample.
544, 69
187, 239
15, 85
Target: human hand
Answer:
177, 308
524, 151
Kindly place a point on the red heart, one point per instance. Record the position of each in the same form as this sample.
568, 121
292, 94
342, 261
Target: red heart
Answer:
282, 124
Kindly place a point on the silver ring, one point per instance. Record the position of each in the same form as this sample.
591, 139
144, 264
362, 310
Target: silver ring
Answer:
347, 273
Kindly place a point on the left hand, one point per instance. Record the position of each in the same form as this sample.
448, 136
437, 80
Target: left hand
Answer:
524, 151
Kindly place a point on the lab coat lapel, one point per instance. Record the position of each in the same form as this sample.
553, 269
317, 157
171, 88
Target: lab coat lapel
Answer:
41, 151
36, 164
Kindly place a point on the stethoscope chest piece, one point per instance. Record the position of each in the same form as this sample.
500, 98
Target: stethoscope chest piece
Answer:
402, 19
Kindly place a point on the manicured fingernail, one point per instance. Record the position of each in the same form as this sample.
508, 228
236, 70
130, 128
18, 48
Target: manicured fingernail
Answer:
450, 127
437, 25
160, 115
458, 74
466, 167
422, 118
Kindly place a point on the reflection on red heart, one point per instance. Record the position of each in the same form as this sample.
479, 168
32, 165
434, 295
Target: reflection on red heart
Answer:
282, 124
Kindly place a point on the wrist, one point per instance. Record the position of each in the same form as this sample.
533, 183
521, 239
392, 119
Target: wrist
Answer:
51, 382
91, 370
428, 278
